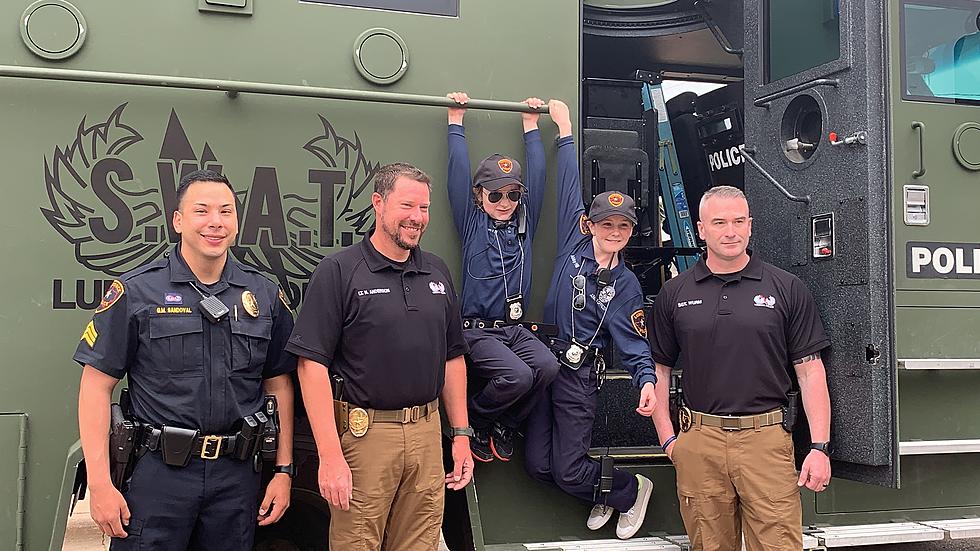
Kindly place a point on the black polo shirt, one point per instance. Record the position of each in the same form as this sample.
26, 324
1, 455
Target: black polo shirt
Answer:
386, 327
184, 370
735, 335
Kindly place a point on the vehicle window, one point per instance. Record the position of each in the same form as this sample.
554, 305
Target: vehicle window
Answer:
427, 7
941, 51
800, 35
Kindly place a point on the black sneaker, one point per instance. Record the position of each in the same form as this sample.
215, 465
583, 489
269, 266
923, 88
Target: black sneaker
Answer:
502, 441
480, 445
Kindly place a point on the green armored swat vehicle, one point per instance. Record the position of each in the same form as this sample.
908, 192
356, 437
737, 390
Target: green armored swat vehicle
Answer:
863, 117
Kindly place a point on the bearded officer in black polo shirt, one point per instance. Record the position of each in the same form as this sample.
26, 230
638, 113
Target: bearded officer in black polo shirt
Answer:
735, 325
382, 317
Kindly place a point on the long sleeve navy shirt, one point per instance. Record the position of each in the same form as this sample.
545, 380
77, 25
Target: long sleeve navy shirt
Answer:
493, 254
623, 324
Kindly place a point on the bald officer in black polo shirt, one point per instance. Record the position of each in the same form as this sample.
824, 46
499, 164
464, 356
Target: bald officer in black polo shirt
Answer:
735, 325
383, 316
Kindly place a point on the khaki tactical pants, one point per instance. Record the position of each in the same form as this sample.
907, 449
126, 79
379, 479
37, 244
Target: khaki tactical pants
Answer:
731, 483
398, 489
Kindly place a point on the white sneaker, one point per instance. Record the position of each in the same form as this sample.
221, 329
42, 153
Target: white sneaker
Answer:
630, 522
600, 515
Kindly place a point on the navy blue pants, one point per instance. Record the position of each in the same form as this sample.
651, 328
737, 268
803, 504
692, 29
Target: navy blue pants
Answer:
559, 434
207, 505
517, 368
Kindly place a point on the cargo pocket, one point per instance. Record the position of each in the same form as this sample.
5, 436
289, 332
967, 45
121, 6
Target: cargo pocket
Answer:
250, 344
709, 520
133, 540
177, 344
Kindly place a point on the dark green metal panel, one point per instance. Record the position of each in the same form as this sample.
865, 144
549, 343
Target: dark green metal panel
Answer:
13, 456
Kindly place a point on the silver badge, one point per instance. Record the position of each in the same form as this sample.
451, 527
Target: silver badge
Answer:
606, 294
516, 311
574, 353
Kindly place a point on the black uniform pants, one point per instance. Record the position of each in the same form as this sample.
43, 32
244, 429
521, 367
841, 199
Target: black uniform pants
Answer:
207, 505
559, 435
517, 368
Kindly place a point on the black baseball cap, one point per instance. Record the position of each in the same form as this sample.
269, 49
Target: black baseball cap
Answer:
612, 202
497, 171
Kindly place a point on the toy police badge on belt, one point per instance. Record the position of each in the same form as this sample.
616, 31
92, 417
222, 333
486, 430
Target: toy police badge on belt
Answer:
574, 356
515, 308
358, 421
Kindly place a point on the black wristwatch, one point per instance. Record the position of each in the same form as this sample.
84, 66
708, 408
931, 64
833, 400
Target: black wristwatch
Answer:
463, 431
288, 469
824, 447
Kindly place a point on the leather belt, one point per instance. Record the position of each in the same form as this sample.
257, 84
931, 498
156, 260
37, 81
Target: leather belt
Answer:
207, 446
737, 422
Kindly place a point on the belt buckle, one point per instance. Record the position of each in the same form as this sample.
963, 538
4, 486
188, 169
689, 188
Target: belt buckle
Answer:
412, 414
498, 323
210, 440
730, 423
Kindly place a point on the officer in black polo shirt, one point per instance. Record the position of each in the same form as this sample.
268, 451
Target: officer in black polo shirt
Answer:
189, 370
382, 318
735, 325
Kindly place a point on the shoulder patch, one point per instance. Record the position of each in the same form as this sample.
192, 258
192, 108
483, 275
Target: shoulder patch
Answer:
582, 228
639, 320
114, 293
90, 334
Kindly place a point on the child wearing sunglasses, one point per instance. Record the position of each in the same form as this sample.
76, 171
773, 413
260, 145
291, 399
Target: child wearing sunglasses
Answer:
496, 215
595, 300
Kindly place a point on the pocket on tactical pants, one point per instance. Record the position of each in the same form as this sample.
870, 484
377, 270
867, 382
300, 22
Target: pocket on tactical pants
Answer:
709, 521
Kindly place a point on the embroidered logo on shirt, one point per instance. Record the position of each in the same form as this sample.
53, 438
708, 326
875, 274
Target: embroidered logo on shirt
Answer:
174, 310
366, 292
639, 320
173, 298
437, 287
766, 301
574, 262
90, 334
506, 165
694, 302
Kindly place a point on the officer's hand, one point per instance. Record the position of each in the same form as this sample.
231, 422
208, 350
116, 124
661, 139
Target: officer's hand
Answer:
462, 464
336, 482
560, 114
815, 473
648, 400
456, 113
109, 510
530, 120
276, 499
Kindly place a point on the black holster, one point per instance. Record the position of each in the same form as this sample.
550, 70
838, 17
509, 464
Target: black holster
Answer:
791, 410
123, 437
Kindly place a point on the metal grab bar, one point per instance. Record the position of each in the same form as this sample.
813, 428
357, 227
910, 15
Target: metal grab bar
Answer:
764, 101
747, 153
233, 87
921, 127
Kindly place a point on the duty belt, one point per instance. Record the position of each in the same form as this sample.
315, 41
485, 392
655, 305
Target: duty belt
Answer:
534, 327
737, 422
207, 446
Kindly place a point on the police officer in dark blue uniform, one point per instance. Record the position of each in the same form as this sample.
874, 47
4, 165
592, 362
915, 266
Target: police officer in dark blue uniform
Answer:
595, 300
497, 215
201, 339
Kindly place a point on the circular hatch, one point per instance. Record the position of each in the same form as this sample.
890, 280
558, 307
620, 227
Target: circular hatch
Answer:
53, 29
966, 145
380, 56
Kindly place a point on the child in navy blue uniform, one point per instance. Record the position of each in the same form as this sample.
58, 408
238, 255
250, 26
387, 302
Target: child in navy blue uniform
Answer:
595, 300
496, 215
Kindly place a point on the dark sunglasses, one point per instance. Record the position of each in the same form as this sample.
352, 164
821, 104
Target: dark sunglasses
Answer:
578, 301
496, 196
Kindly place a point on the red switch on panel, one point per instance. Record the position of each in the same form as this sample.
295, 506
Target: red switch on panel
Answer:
833, 137
825, 251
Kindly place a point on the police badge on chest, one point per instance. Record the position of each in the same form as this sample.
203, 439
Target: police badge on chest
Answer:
515, 308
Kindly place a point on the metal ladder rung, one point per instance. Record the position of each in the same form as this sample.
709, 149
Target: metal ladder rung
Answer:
960, 528
897, 532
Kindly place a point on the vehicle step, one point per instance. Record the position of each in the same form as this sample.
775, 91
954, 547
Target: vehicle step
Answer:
959, 528
809, 542
874, 534
635, 544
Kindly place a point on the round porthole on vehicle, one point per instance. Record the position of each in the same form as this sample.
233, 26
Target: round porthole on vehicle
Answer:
53, 29
966, 145
381, 56
801, 128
